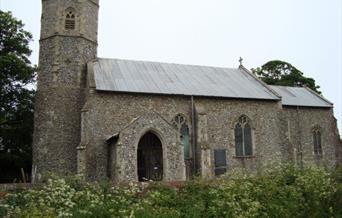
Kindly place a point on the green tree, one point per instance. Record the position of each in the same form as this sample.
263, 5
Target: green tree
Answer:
16, 98
278, 72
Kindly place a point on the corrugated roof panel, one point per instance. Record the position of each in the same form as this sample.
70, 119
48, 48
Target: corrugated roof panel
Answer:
130, 78
202, 82
300, 96
176, 79
188, 82
147, 78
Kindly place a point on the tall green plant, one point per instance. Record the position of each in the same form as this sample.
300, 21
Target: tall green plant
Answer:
278, 72
16, 99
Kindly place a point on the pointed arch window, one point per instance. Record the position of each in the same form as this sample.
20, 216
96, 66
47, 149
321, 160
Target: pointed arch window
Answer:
180, 123
70, 19
243, 137
317, 141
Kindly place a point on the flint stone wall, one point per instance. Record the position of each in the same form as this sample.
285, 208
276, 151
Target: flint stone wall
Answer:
58, 103
61, 83
297, 126
107, 113
125, 169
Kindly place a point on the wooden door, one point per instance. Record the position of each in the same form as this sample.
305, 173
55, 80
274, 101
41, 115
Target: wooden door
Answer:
150, 158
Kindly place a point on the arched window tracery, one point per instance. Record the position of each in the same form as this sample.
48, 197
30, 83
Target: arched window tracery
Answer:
243, 137
317, 140
180, 123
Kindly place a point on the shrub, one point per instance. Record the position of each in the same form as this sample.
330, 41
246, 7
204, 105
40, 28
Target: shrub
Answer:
284, 192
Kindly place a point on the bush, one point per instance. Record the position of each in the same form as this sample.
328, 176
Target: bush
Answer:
286, 192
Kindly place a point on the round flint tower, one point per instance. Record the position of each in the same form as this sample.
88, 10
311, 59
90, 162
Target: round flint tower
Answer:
68, 41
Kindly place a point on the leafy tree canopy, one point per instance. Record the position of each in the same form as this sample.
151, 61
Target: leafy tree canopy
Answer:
16, 99
278, 72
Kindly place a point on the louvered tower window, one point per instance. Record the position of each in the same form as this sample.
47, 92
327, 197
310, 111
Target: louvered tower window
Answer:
70, 20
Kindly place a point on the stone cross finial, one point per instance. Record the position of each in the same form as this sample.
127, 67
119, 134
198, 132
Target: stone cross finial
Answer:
240, 60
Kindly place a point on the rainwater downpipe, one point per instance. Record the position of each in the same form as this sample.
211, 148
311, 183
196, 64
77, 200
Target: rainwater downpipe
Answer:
193, 124
299, 140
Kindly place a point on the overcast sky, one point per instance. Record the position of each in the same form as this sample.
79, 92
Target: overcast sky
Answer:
306, 33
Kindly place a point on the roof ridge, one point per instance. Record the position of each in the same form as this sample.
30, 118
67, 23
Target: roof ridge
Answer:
301, 87
163, 62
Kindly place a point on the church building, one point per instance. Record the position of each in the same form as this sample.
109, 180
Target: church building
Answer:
140, 121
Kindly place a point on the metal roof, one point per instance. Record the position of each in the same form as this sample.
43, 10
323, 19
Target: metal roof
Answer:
176, 79
300, 96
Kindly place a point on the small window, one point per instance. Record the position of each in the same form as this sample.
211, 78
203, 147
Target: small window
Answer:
220, 161
180, 123
70, 21
317, 141
243, 138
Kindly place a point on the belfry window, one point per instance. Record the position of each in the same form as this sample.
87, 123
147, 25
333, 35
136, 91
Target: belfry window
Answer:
70, 20
180, 123
317, 141
243, 138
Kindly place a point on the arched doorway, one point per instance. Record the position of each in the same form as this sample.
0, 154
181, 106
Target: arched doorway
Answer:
150, 158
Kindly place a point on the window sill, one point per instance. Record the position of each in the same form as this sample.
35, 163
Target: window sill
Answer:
244, 157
